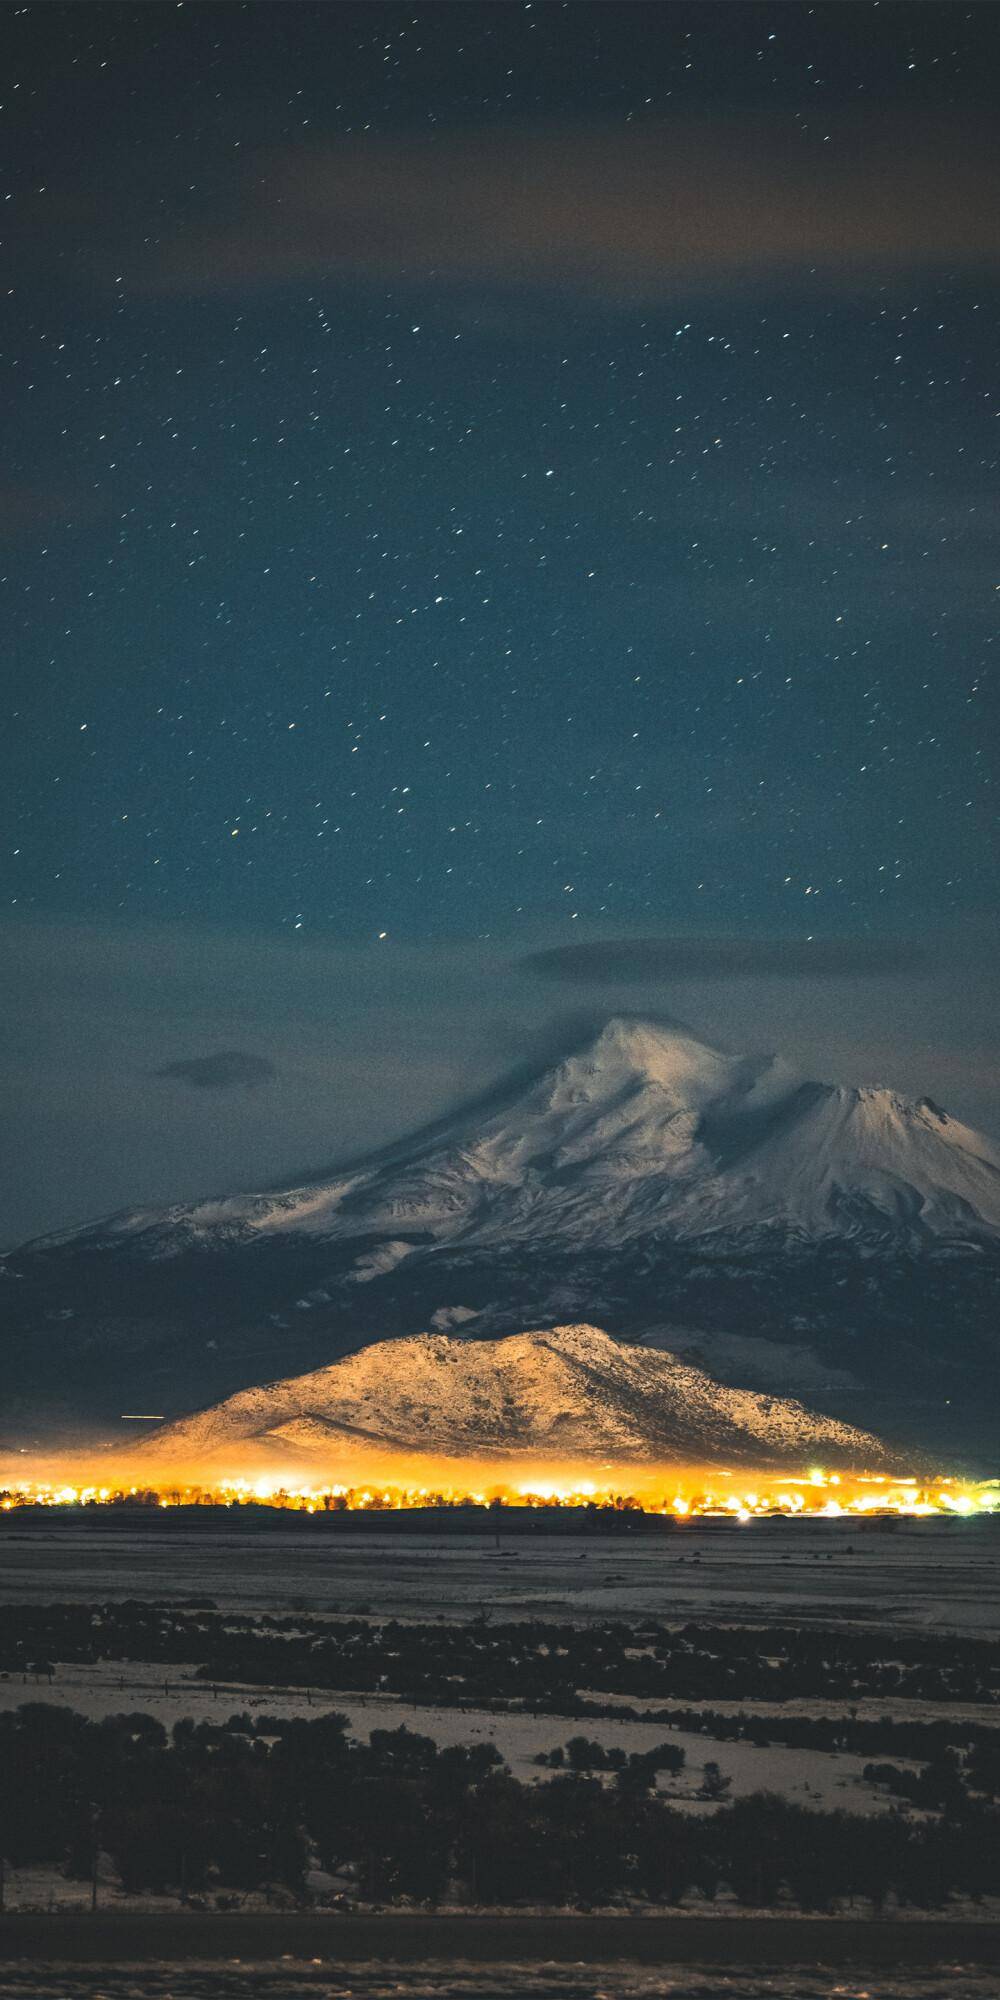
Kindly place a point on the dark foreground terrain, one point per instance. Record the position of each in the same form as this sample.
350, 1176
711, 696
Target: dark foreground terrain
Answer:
300, 1808
461, 1770
409, 1939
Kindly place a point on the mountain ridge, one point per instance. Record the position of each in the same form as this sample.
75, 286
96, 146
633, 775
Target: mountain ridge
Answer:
564, 1393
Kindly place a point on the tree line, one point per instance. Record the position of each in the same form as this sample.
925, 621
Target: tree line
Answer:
535, 1662
218, 1810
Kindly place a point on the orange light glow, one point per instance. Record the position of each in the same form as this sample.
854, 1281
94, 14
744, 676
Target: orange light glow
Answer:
684, 1494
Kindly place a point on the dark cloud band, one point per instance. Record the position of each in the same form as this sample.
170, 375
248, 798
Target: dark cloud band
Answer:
644, 961
698, 201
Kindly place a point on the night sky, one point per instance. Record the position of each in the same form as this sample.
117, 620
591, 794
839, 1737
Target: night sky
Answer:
479, 479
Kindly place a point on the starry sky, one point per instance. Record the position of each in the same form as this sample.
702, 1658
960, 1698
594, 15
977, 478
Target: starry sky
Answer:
483, 483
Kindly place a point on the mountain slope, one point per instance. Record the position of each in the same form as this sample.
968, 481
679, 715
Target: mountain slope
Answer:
569, 1394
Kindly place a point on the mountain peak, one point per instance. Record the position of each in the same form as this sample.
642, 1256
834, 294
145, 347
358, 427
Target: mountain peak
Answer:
660, 1052
643, 1038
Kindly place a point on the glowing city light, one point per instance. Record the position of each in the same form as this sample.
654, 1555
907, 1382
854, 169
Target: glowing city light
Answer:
864, 1495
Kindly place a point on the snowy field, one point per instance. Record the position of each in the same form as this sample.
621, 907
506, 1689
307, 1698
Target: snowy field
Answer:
928, 1574
809, 1777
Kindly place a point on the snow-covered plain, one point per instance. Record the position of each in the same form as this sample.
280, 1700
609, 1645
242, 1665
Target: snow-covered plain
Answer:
930, 1574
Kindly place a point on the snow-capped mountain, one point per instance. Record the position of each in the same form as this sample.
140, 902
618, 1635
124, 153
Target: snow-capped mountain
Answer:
567, 1395
647, 1181
645, 1129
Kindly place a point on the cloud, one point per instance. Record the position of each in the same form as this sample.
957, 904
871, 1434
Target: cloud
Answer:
696, 201
230, 1069
644, 961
